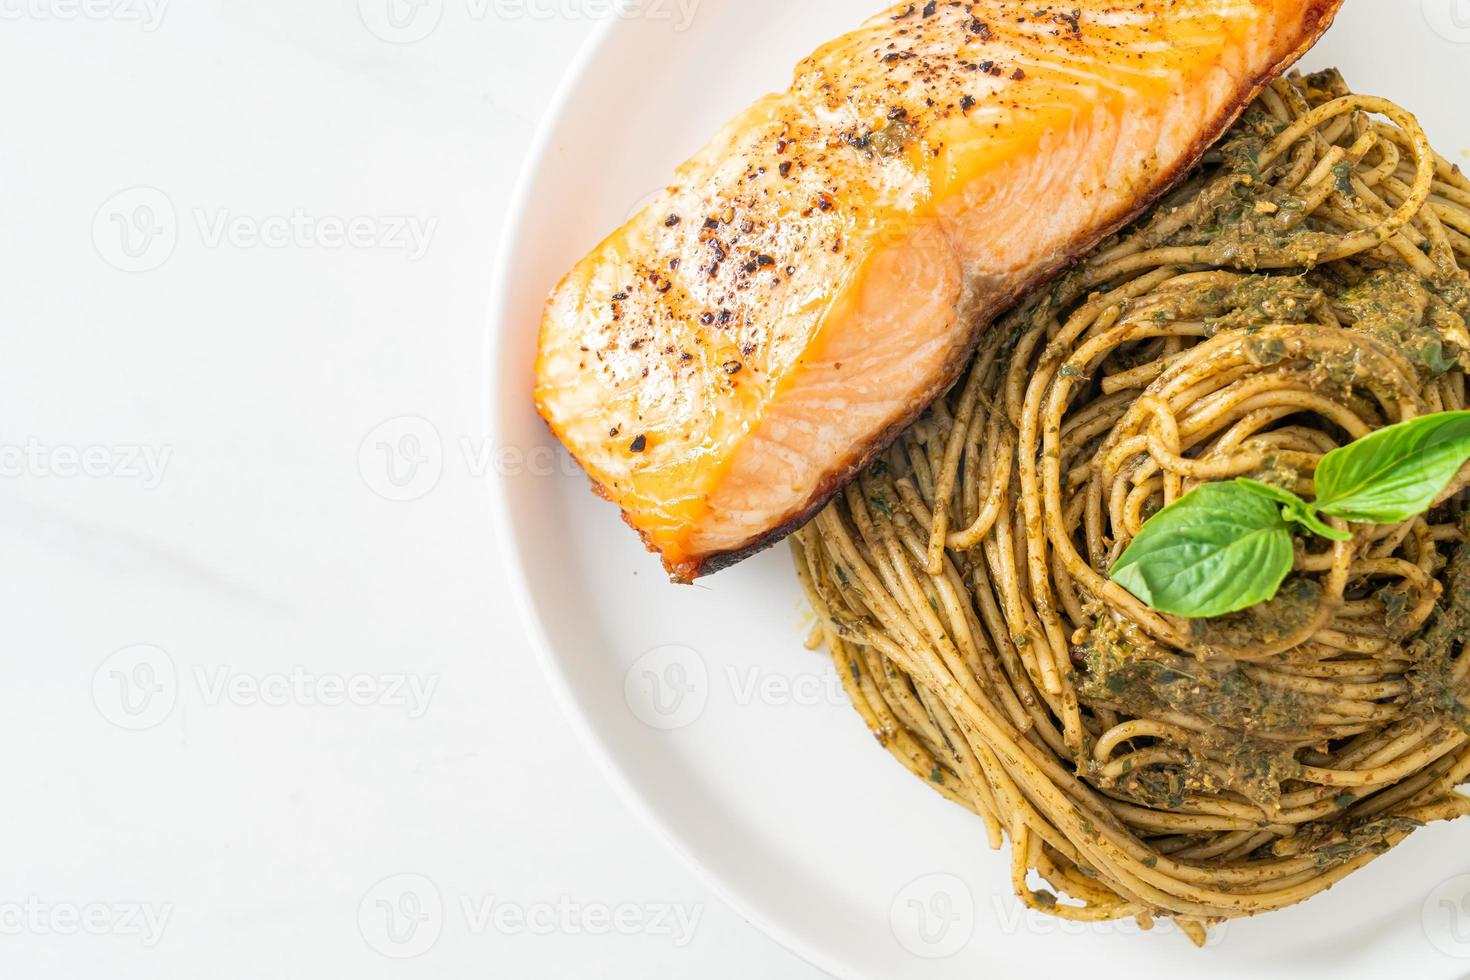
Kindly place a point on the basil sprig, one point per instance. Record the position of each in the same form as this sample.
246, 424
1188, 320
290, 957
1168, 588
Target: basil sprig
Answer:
1225, 547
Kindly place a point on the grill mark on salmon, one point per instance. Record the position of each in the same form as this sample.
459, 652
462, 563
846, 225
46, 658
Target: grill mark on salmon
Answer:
824, 268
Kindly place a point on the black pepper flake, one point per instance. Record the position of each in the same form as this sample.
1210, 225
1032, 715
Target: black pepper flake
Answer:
967, 103
732, 367
764, 260
980, 28
638, 445
619, 297
706, 318
1018, 75
726, 316
786, 169
671, 221
613, 432
930, 7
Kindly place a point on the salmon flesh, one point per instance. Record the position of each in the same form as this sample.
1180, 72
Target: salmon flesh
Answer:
823, 269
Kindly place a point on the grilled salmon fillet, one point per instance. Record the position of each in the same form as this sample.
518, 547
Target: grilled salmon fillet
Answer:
823, 269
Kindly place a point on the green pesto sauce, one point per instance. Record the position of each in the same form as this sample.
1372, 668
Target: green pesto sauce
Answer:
1437, 695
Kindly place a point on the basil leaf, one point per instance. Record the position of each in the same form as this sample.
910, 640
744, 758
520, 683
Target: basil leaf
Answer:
1219, 549
1395, 473
1278, 494
1298, 511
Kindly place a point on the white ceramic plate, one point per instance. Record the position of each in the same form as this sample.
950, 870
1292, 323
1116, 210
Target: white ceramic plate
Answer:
703, 703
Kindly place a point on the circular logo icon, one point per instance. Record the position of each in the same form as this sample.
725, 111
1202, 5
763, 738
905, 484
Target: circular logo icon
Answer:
136, 688
1447, 917
643, 202
403, 459
1450, 19
401, 917
136, 230
933, 917
667, 688
401, 21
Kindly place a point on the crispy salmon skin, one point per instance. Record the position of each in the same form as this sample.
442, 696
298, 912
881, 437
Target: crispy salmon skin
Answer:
823, 269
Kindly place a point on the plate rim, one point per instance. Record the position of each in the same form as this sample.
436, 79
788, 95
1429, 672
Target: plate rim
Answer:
508, 541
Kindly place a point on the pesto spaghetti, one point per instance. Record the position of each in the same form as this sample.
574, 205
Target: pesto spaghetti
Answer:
1305, 288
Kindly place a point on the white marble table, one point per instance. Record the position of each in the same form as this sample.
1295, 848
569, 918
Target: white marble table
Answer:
254, 675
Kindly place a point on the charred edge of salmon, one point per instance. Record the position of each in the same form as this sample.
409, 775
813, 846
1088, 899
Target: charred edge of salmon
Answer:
1316, 20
